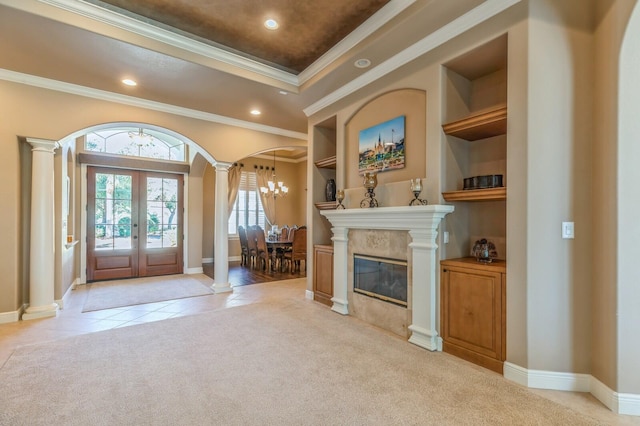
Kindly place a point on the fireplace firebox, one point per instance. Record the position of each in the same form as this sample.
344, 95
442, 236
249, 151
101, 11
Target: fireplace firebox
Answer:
381, 278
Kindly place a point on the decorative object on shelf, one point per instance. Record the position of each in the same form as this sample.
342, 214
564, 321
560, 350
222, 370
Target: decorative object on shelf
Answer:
482, 182
484, 251
330, 190
416, 188
381, 147
340, 198
274, 188
370, 182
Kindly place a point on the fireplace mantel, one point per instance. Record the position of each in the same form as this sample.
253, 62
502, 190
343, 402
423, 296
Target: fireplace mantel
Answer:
422, 223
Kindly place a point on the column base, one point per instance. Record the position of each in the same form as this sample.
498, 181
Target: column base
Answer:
425, 338
340, 306
221, 288
37, 312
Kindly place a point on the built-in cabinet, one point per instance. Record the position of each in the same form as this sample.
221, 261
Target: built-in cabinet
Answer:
323, 162
475, 117
323, 273
473, 311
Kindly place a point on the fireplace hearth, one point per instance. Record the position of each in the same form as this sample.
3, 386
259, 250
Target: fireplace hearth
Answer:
381, 278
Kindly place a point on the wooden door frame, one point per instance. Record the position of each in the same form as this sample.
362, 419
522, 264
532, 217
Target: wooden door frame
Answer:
83, 222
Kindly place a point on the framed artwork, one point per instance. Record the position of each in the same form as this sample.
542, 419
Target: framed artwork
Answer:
381, 147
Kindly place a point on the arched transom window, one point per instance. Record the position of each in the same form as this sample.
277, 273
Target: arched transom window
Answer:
136, 142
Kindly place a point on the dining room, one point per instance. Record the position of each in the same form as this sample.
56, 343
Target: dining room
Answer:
270, 195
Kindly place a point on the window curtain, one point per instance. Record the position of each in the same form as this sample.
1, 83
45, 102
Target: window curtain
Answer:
235, 173
268, 201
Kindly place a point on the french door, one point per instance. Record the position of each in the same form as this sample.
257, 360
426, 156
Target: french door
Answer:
134, 223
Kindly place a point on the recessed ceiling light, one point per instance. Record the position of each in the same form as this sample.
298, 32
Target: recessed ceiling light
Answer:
129, 82
284, 92
255, 112
362, 63
271, 24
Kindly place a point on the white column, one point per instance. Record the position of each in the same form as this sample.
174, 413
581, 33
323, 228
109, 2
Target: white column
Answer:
221, 247
42, 251
340, 250
423, 322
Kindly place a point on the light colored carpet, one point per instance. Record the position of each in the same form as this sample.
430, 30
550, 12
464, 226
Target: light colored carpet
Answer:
136, 291
281, 363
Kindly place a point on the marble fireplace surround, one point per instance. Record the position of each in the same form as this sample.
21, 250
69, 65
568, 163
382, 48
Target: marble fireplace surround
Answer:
422, 223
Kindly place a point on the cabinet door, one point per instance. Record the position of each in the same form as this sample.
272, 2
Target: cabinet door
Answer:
323, 275
472, 312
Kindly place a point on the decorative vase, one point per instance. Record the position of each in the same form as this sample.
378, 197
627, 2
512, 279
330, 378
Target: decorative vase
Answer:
330, 193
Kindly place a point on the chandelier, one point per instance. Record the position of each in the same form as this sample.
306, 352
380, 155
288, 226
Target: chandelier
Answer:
274, 187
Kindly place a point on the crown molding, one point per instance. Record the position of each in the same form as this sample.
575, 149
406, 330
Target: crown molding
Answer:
281, 159
106, 16
368, 27
479, 14
103, 95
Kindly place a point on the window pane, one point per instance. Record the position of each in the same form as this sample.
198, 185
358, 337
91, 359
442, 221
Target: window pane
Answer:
170, 237
136, 142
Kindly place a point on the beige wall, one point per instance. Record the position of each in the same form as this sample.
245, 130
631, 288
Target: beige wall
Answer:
29, 111
624, 308
551, 154
408, 102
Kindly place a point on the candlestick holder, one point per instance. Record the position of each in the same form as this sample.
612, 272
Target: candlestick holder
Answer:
416, 188
340, 198
370, 182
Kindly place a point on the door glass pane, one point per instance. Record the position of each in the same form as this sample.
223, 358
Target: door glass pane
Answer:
113, 211
162, 207
170, 236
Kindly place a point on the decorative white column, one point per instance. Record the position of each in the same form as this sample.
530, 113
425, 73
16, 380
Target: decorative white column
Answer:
422, 223
340, 249
424, 267
221, 246
42, 248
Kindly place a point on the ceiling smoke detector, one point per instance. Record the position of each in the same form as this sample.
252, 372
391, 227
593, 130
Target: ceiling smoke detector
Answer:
362, 63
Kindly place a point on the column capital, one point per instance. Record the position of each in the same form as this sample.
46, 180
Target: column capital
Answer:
222, 166
43, 145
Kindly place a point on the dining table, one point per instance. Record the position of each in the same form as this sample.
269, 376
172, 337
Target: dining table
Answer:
273, 246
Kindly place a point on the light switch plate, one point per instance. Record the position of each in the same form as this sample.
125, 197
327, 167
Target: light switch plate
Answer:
568, 230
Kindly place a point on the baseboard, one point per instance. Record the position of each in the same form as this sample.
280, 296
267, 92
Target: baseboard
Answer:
66, 295
540, 379
308, 294
620, 403
207, 260
235, 258
191, 271
12, 316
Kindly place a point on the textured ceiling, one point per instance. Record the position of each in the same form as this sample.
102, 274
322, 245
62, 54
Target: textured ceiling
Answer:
237, 25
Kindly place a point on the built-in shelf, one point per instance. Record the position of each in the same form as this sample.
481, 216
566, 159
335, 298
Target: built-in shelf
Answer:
326, 205
479, 126
327, 163
490, 194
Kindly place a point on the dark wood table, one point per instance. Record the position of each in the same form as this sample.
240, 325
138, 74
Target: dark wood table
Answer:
273, 247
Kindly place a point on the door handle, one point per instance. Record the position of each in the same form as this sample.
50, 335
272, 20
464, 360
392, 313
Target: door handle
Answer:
135, 225
135, 237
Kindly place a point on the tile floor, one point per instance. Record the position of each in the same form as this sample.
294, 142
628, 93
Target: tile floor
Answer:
71, 321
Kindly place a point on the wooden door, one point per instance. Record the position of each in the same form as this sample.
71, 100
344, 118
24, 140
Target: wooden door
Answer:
323, 274
134, 224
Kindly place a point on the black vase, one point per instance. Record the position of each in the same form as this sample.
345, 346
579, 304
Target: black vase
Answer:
330, 193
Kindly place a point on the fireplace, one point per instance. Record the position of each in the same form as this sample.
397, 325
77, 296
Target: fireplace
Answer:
419, 224
381, 278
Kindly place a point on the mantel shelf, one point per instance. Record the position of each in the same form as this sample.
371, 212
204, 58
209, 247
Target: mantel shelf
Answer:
490, 194
326, 163
326, 205
479, 126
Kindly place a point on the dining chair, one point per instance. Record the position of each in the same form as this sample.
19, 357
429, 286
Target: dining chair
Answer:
252, 247
298, 251
262, 252
244, 246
